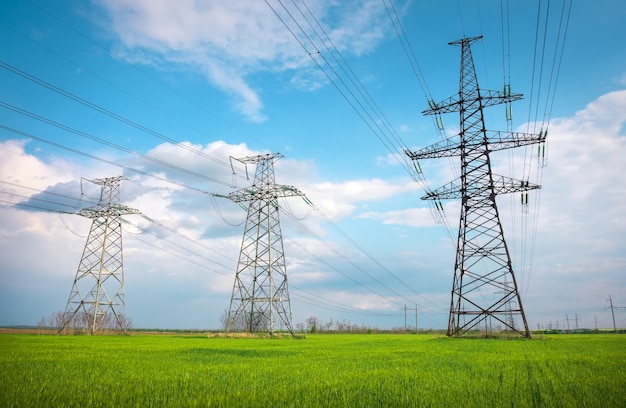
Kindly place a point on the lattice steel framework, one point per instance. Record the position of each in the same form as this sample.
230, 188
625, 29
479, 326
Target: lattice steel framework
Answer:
484, 284
98, 290
260, 298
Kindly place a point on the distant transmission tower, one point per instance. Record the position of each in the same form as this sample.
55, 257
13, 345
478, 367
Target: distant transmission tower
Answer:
260, 298
484, 284
97, 295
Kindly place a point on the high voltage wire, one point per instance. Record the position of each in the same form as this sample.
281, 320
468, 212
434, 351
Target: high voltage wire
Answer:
327, 303
318, 46
187, 248
43, 191
109, 83
91, 156
317, 210
360, 249
107, 112
135, 67
118, 117
107, 143
438, 211
342, 77
391, 138
537, 82
344, 307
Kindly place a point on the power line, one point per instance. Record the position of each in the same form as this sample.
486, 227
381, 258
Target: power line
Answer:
91, 156
348, 238
135, 67
341, 76
107, 112
107, 143
357, 267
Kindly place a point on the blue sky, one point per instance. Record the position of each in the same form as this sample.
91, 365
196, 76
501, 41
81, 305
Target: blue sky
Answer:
230, 79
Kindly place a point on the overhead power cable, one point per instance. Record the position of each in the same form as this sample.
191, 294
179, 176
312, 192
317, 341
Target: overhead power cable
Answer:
52, 193
134, 67
368, 255
41, 200
107, 112
314, 299
540, 106
91, 156
100, 78
436, 208
315, 41
108, 143
357, 267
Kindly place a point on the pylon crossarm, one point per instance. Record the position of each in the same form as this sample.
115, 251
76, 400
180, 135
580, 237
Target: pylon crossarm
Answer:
487, 98
501, 185
507, 140
497, 140
112, 211
265, 193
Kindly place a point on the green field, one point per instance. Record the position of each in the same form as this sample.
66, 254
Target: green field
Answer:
324, 370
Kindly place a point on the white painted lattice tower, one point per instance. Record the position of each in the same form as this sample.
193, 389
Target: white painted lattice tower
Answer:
97, 295
260, 298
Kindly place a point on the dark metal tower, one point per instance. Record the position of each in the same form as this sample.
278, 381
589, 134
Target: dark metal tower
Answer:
97, 295
260, 298
484, 284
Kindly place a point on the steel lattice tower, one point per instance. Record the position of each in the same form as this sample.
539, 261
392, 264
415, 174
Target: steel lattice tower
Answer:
484, 284
260, 298
98, 290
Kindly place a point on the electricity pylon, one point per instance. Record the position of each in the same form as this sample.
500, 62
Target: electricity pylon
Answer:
260, 298
98, 290
484, 284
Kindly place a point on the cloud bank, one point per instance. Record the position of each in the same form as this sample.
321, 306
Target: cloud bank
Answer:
230, 41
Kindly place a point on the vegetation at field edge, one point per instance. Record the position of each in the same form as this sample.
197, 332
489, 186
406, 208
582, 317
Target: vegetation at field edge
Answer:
381, 370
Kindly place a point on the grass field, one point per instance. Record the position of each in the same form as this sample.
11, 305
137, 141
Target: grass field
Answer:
324, 370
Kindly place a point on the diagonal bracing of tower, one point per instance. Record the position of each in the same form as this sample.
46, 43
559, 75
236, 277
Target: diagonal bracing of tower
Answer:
97, 295
260, 298
484, 285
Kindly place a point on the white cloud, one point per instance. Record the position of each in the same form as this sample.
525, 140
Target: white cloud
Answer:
585, 181
21, 167
412, 217
230, 40
579, 252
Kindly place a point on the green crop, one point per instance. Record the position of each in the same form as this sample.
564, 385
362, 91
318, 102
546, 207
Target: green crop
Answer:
376, 370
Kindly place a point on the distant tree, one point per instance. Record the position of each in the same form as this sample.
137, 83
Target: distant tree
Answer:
224, 319
328, 325
81, 322
311, 324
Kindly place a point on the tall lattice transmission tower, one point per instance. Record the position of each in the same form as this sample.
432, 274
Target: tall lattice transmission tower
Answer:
484, 285
97, 295
260, 298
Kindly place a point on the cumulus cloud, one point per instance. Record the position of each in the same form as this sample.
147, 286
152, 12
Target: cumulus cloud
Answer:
230, 41
185, 241
412, 217
24, 168
585, 181
187, 255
